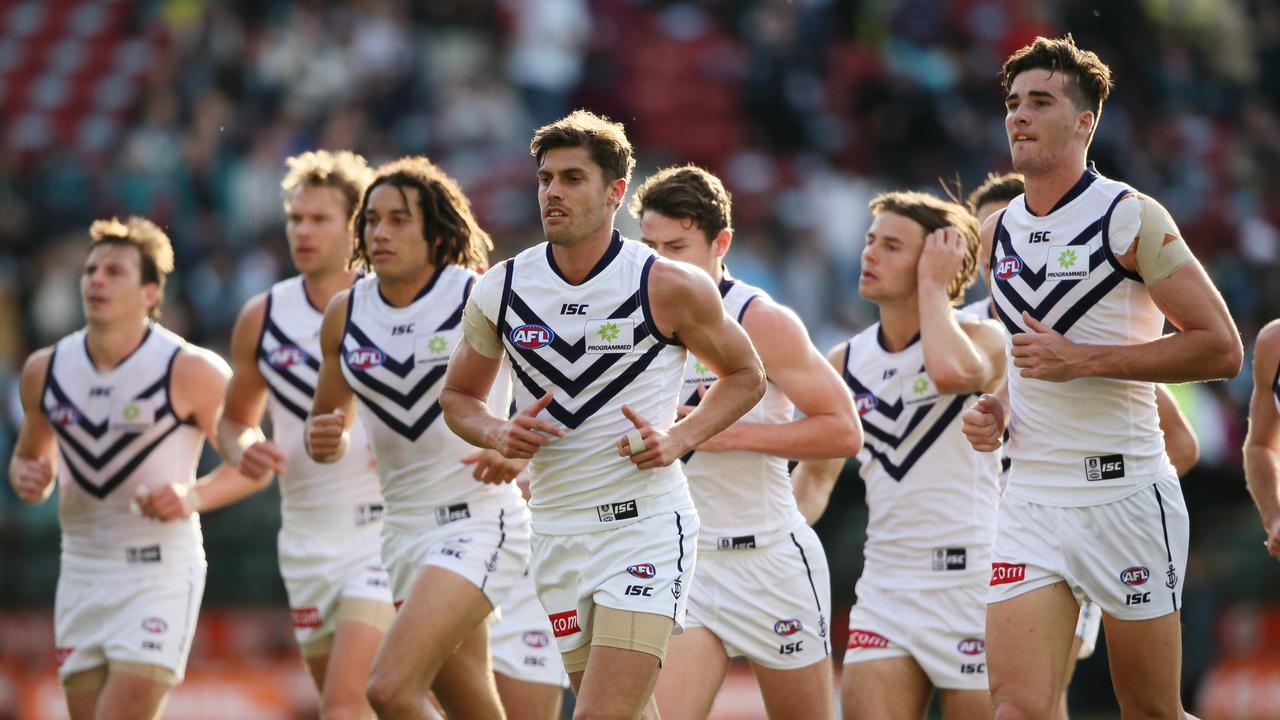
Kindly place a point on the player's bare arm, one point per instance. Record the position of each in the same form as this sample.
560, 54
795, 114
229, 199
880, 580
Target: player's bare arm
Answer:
813, 480
333, 408
1206, 348
239, 439
199, 382
829, 428
35, 456
686, 305
959, 359
1180, 442
1262, 444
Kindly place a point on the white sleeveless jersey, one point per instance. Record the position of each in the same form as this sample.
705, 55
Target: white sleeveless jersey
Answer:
394, 359
1090, 440
594, 346
117, 431
289, 359
931, 497
744, 499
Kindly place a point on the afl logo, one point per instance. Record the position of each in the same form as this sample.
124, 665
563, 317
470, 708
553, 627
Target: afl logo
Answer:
865, 402
364, 358
532, 337
1008, 267
643, 570
535, 639
790, 626
286, 356
63, 415
1136, 575
154, 625
972, 646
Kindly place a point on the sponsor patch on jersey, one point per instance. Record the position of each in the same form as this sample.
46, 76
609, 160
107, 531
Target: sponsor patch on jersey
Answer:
363, 358
1103, 467
611, 512
286, 356
613, 335
445, 515
789, 626
1005, 573
564, 623
155, 625
308, 617
736, 542
1007, 266
1067, 262
643, 571
866, 639
949, 558
142, 555
365, 514
64, 415
535, 639
918, 389
532, 337
133, 415
864, 402
1136, 575
972, 646
434, 348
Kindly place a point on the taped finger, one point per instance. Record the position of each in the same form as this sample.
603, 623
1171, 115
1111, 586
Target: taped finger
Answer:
635, 442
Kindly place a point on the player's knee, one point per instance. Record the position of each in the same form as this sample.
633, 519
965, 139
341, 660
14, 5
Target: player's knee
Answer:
590, 711
1151, 707
345, 709
1022, 709
386, 694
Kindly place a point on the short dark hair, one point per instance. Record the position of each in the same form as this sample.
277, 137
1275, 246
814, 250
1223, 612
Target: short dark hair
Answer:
154, 248
447, 222
934, 213
996, 188
604, 139
686, 192
1090, 78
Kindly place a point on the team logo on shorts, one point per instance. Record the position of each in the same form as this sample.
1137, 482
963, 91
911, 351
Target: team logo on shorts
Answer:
972, 646
535, 639
1136, 575
155, 625
644, 571
286, 356
866, 639
532, 337
1007, 267
364, 358
64, 415
1005, 573
790, 626
1171, 578
864, 402
564, 623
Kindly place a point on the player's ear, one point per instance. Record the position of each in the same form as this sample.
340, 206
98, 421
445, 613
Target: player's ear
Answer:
720, 245
617, 190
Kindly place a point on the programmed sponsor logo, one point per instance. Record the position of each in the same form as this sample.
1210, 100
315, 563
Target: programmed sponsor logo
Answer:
1005, 573
155, 625
535, 639
286, 356
865, 402
1136, 575
564, 623
532, 337
972, 646
866, 639
790, 626
364, 358
1007, 267
308, 617
643, 571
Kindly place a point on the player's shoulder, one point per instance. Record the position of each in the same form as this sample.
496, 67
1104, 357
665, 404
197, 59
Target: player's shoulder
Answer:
1268, 340
194, 363
670, 276
36, 365
254, 311
768, 321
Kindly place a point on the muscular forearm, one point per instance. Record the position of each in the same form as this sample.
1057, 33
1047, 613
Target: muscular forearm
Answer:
1188, 356
812, 483
728, 399
469, 418
224, 486
1261, 477
233, 438
818, 437
950, 358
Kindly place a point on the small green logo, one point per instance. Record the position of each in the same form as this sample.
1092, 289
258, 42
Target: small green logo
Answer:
130, 412
699, 368
608, 332
437, 344
1067, 259
920, 386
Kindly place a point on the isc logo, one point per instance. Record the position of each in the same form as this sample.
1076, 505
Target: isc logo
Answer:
531, 337
638, 590
63, 415
1138, 598
286, 356
364, 358
574, 309
865, 402
1136, 575
790, 626
972, 646
1040, 236
1008, 267
791, 648
973, 669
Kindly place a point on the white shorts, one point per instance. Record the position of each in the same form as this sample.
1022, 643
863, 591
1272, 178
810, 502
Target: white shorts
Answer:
767, 604
489, 548
645, 566
1128, 556
320, 570
943, 630
521, 641
149, 620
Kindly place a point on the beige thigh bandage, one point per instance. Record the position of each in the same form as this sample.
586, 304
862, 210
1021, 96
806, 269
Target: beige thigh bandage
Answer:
1161, 249
366, 610
155, 673
626, 630
575, 661
319, 647
91, 679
